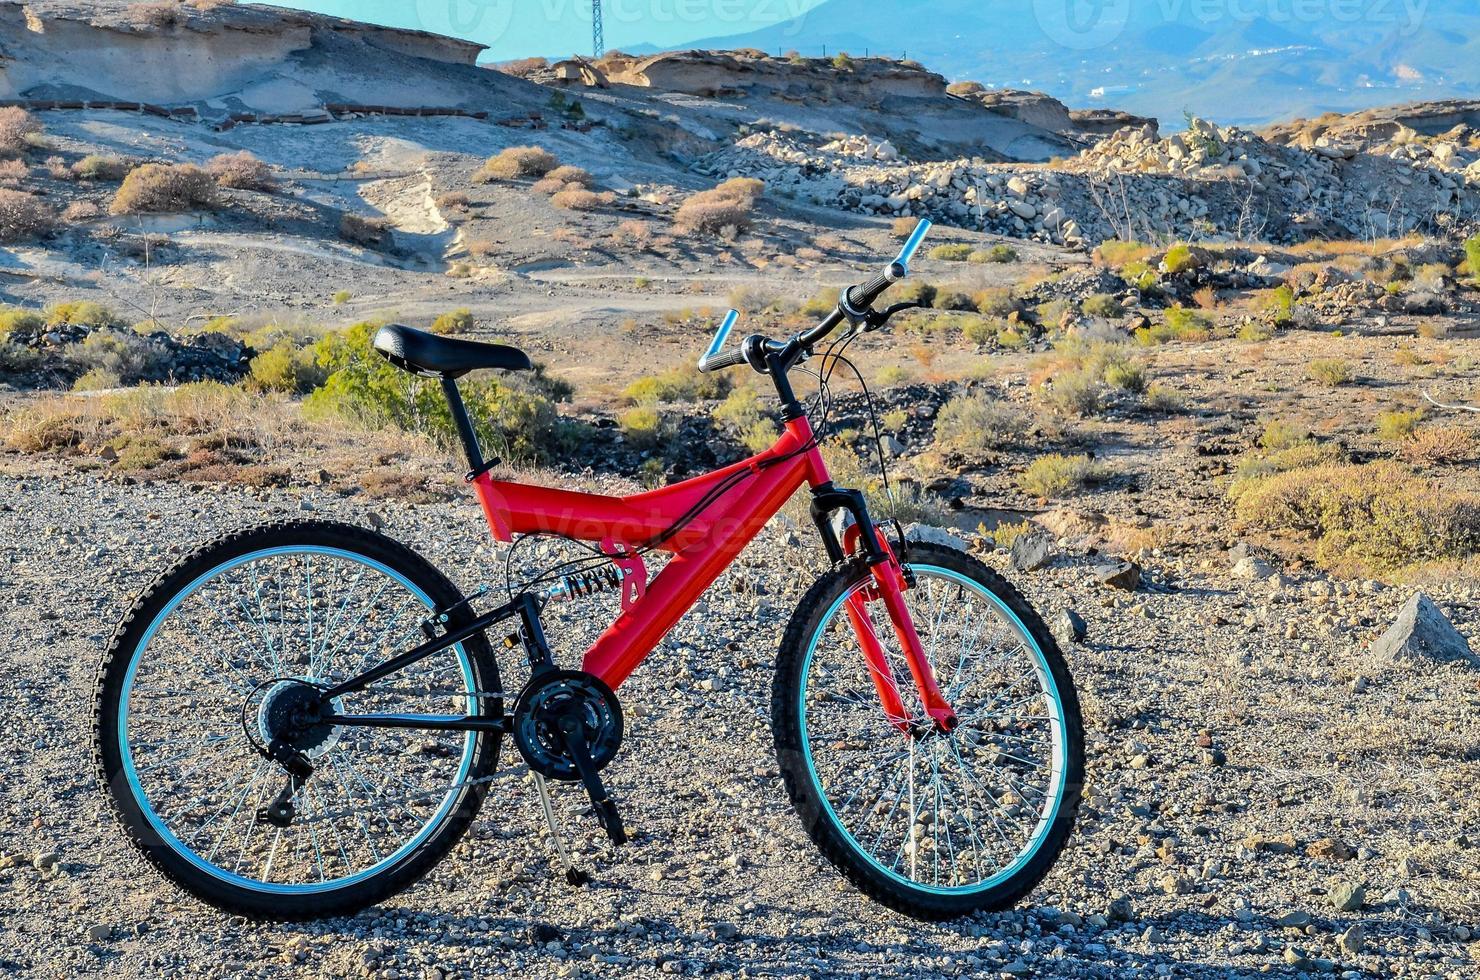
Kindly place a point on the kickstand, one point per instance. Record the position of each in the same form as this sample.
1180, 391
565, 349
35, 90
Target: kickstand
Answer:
573, 874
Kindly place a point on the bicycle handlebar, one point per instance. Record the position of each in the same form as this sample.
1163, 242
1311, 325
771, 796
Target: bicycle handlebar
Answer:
711, 359
854, 304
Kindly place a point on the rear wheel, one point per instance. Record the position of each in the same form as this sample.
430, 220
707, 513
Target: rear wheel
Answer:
932, 825
216, 658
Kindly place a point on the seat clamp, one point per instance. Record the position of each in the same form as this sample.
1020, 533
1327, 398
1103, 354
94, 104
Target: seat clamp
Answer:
480, 471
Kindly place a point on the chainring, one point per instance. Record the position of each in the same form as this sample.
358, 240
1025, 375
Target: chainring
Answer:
544, 700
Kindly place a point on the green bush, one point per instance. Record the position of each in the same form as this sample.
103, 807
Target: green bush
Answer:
822, 302
950, 252
1056, 475
1115, 254
1181, 324
1075, 392
958, 300
642, 426
83, 313
1279, 434
1102, 305
914, 291
514, 419
1126, 375
1280, 304
997, 254
159, 187
997, 301
453, 322
1398, 425
680, 384
1330, 372
977, 422
1364, 519
14, 318
1472, 258
96, 167
285, 367
1179, 259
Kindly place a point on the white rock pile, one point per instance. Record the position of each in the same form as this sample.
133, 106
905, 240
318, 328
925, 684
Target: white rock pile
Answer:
1208, 183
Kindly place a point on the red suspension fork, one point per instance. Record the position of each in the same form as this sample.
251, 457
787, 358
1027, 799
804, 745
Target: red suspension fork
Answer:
889, 584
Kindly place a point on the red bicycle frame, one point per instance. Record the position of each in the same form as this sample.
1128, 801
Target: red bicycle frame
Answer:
702, 548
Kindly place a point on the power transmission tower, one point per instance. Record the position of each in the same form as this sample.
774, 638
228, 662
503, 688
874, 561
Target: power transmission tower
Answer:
598, 39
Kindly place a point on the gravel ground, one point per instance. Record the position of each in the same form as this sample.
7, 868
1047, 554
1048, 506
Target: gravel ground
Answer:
1248, 759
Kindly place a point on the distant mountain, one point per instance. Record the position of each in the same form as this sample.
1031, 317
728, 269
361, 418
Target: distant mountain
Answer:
1161, 58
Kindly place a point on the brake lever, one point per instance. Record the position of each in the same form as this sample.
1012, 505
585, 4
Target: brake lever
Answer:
875, 319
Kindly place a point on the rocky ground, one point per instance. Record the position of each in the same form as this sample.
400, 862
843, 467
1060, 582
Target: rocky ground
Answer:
1251, 759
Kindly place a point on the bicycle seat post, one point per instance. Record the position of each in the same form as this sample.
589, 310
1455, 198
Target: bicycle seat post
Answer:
477, 466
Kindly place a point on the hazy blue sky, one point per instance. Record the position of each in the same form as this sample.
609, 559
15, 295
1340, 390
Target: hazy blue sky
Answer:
517, 28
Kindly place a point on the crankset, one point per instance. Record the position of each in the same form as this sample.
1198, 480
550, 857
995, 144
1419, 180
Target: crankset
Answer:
567, 724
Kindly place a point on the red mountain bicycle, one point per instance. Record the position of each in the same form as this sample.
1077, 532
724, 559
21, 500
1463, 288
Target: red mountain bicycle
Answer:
301, 719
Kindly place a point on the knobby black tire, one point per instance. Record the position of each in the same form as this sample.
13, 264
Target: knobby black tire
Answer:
830, 839
122, 649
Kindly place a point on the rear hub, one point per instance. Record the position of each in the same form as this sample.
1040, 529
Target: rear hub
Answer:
292, 711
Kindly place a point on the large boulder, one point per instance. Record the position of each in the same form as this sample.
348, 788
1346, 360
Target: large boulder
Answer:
1422, 632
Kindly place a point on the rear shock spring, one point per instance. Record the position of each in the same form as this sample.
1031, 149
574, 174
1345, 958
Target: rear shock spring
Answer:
581, 585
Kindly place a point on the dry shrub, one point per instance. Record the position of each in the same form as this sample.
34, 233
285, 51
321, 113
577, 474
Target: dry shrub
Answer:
634, 233
549, 185
480, 248
580, 199
97, 167
82, 211
241, 170
722, 208
24, 216
162, 187
155, 13
515, 162
12, 172
210, 4
454, 201
904, 227
571, 175
17, 129
1375, 517
359, 229
1438, 446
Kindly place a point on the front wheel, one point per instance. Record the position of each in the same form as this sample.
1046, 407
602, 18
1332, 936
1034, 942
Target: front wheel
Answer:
932, 825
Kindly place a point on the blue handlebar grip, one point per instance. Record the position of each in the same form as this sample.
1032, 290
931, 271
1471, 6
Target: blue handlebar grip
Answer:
912, 244
723, 334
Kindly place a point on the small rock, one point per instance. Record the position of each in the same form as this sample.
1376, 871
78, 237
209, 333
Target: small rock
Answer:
46, 861
1348, 896
1030, 552
1293, 920
1331, 849
1069, 625
1354, 940
1422, 632
1121, 909
1119, 575
934, 535
1254, 569
100, 933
